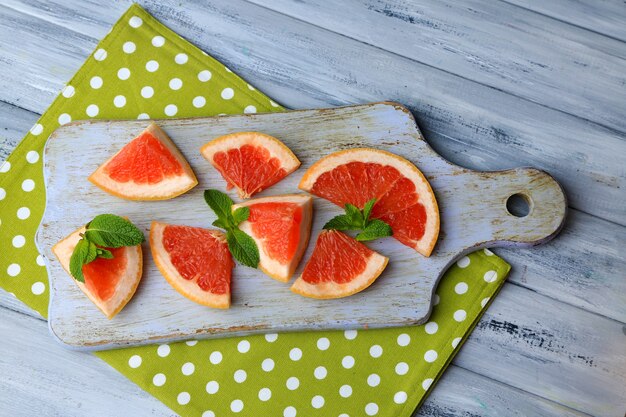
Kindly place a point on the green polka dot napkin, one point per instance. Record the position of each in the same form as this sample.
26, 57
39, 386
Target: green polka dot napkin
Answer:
141, 69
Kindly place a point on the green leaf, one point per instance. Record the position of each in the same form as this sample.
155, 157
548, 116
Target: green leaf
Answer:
355, 215
84, 252
113, 231
374, 230
220, 223
221, 204
367, 210
341, 222
243, 248
241, 214
103, 253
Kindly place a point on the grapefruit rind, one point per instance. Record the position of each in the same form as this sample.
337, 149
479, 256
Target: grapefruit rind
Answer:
271, 267
166, 189
187, 288
127, 285
426, 195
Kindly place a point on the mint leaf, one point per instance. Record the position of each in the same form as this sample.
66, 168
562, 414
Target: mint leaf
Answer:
84, 252
367, 210
341, 222
355, 215
104, 253
241, 214
220, 223
243, 247
113, 231
220, 203
374, 230
355, 219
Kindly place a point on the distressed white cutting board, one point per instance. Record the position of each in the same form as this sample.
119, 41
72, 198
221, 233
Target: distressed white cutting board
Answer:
472, 204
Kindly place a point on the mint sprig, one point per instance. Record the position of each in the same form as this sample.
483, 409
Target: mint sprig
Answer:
355, 219
104, 231
241, 246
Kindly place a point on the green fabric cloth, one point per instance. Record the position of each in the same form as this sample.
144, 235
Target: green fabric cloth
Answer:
142, 69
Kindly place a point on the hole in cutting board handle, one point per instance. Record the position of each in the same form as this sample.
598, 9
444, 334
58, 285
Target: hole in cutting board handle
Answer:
519, 205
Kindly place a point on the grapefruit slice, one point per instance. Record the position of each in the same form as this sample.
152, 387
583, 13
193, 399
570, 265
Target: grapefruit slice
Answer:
404, 198
149, 167
339, 266
109, 283
195, 261
250, 161
280, 226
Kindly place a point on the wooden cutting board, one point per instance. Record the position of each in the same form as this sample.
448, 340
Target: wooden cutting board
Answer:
473, 215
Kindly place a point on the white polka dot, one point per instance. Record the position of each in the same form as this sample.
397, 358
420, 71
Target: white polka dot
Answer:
135, 21
460, 288
171, 109
271, 337
204, 75
320, 372
455, 342
463, 262
376, 351
227, 69
18, 241
32, 156
143, 116
236, 406
403, 339
431, 327
123, 73
163, 350
96, 82
199, 101
119, 101
436, 299
289, 412
402, 368
159, 380
183, 398
40, 261
430, 356
36, 129
265, 394
243, 346
147, 92
400, 397
293, 383
68, 91
488, 252
427, 383
267, 365
484, 302
191, 342
92, 110
343, 415
212, 387
3, 193
100, 55
38, 288
158, 41
227, 93
28, 185
129, 47
347, 362
345, 391
295, 354
249, 109
176, 83
460, 315
152, 66
240, 376
134, 361
371, 409
181, 58
5, 167
208, 413
273, 103
317, 401
215, 357
188, 368
490, 276
64, 119
373, 380
251, 88
23, 213
350, 334
323, 343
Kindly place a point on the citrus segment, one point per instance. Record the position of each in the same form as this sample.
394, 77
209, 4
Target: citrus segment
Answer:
404, 198
250, 161
339, 266
195, 261
109, 283
149, 167
280, 226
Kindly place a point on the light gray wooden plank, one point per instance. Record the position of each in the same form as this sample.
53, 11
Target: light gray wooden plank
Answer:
14, 122
602, 16
500, 45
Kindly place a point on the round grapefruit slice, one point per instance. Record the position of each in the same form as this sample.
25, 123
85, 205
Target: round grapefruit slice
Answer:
250, 161
339, 266
109, 283
195, 261
149, 167
404, 198
280, 226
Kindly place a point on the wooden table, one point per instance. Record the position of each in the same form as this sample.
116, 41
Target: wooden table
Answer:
493, 84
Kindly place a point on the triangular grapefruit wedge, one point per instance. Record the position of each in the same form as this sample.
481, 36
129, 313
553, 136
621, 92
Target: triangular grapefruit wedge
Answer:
339, 266
280, 225
195, 261
109, 283
149, 167
404, 197
250, 161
